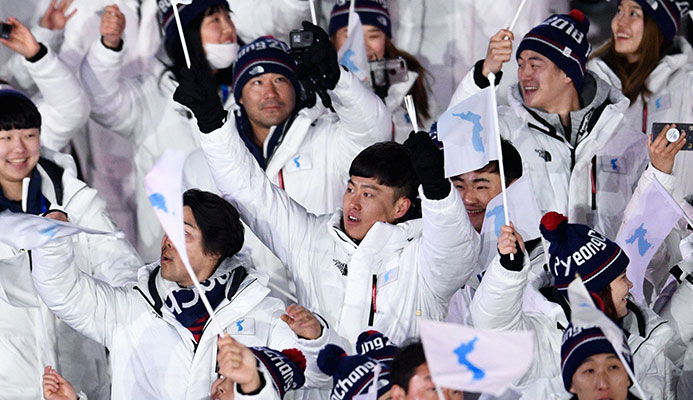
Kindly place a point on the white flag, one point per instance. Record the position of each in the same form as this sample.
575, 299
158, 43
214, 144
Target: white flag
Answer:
27, 231
468, 134
653, 214
176, 2
522, 211
465, 358
353, 54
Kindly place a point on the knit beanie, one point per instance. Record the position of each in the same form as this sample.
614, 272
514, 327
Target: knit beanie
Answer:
577, 248
286, 367
187, 13
579, 343
562, 39
264, 55
371, 12
666, 14
375, 345
352, 375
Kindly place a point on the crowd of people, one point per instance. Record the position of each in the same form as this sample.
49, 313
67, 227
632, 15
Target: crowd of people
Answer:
322, 227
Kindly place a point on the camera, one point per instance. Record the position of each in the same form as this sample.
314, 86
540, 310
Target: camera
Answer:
5, 30
385, 73
680, 126
300, 40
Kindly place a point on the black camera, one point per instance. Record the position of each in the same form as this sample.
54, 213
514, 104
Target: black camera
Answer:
300, 40
5, 30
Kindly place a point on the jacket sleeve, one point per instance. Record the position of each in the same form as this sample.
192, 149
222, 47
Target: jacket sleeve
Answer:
89, 306
65, 107
449, 245
258, 18
118, 104
363, 120
282, 224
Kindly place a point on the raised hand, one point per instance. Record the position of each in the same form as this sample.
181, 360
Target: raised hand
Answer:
55, 387
55, 17
499, 52
237, 363
663, 152
112, 26
302, 322
21, 40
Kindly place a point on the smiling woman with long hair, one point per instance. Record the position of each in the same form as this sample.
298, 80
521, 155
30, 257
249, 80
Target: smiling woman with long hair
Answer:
651, 65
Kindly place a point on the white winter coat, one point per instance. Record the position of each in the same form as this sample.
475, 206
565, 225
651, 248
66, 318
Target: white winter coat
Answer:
152, 355
670, 84
562, 173
498, 305
415, 266
26, 325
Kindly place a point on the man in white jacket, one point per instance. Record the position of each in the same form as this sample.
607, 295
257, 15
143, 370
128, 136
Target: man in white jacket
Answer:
566, 123
373, 264
163, 344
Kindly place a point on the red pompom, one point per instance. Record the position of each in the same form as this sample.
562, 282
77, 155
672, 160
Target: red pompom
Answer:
296, 356
551, 220
581, 21
577, 15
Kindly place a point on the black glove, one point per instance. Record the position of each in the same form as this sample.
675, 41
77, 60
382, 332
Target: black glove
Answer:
516, 263
319, 61
427, 160
197, 90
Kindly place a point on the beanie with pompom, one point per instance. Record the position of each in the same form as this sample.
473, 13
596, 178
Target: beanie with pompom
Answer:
352, 375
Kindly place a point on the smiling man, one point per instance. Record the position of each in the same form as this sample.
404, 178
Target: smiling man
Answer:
566, 123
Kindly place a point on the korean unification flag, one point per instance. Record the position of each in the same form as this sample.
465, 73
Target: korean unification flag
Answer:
468, 134
164, 186
653, 214
353, 54
27, 231
465, 358
522, 211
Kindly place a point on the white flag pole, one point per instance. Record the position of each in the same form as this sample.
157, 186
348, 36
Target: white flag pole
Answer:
25, 193
411, 111
631, 375
313, 16
492, 80
174, 4
517, 15
203, 297
441, 396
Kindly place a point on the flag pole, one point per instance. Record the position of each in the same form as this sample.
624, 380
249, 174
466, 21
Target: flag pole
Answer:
313, 16
411, 111
174, 4
203, 296
25, 193
517, 15
501, 169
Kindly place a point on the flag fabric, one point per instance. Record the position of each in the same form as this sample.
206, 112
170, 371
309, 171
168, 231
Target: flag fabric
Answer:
465, 358
652, 216
353, 53
522, 211
27, 231
468, 134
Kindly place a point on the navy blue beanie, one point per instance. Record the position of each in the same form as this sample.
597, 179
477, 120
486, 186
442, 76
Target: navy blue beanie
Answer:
263, 55
371, 12
187, 13
286, 367
352, 375
579, 343
562, 39
577, 248
666, 14
375, 345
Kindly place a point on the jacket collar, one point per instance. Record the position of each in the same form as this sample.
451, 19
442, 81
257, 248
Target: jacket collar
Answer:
382, 236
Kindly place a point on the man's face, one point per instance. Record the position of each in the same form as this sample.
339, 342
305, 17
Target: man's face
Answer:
19, 153
421, 387
268, 99
477, 189
600, 376
366, 202
203, 264
541, 81
374, 37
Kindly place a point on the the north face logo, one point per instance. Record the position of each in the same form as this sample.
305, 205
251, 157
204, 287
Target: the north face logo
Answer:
544, 154
257, 70
343, 268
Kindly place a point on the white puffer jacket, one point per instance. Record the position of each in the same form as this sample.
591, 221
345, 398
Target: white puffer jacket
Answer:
27, 328
590, 181
415, 266
670, 85
498, 305
152, 355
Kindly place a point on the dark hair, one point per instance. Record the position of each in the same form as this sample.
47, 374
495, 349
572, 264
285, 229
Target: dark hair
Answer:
418, 91
18, 112
609, 307
633, 75
512, 163
389, 164
407, 359
174, 49
219, 222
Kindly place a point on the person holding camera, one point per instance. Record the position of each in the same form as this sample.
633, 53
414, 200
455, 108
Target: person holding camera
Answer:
395, 73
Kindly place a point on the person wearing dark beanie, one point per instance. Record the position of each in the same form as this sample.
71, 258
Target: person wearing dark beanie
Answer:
566, 123
506, 300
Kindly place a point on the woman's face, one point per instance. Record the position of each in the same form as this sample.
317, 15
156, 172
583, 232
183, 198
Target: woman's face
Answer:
627, 28
620, 287
217, 28
374, 37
